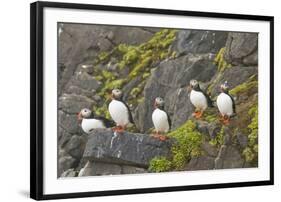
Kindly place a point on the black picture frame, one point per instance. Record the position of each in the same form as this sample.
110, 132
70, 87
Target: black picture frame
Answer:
36, 99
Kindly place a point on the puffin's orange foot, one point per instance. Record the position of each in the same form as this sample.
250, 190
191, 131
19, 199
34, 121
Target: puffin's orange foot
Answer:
225, 120
163, 137
159, 136
118, 129
197, 114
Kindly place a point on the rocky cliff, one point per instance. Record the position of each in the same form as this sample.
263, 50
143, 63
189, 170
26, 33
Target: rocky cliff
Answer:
145, 63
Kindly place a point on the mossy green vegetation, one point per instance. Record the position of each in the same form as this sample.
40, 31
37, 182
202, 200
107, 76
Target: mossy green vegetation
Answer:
218, 140
249, 84
160, 164
136, 61
220, 61
187, 146
251, 151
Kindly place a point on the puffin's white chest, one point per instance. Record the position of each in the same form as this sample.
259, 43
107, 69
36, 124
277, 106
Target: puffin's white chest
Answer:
119, 112
225, 105
198, 99
89, 124
160, 120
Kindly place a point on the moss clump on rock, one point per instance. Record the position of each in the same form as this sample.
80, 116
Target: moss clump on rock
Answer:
220, 61
249, 84
135, 61
187, 146
218, 140
160, 164
251, 151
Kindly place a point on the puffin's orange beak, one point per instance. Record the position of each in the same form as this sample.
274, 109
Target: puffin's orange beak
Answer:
79, 116
155, 105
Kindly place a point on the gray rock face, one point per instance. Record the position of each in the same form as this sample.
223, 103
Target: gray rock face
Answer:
169, 80
69, 122
72, 104
229, 157
94, 168
66, 162
195, 41
124, 149
201, 163
242, 48
234, 76
69, 173
79, 42
242, 139
75, 146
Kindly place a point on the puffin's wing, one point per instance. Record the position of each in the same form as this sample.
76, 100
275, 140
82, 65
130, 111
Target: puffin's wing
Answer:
233, 104
169, 121
106, 122
209, 100
129, 112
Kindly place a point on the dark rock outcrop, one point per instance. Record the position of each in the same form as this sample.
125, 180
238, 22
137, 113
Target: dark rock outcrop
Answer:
199, 42
129, 149
242, 49
170, 80
78, 43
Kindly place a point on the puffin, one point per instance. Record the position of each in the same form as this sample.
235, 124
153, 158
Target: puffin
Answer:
226, 104
199, 99
119, 111
160, 119
89, 121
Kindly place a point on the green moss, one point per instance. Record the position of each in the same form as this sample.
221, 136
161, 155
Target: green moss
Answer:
133, 61
99, 78
107, 75
131, 56
174, 54
135, 91
111, 84
102, 111
220, 61
103, 56
146, 75
160, 164
210, 118
251, 151
139, 67
187, 146
189, 141
249, 84
218, 140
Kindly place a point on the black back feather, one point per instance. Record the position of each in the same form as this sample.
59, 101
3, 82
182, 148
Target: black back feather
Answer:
106, 122
233, 103
169, 119
209, 100
129, 112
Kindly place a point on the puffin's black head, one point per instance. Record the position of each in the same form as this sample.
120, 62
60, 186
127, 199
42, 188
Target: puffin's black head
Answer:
224, 87
159, 103
194, 84
116, 94
84, 113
